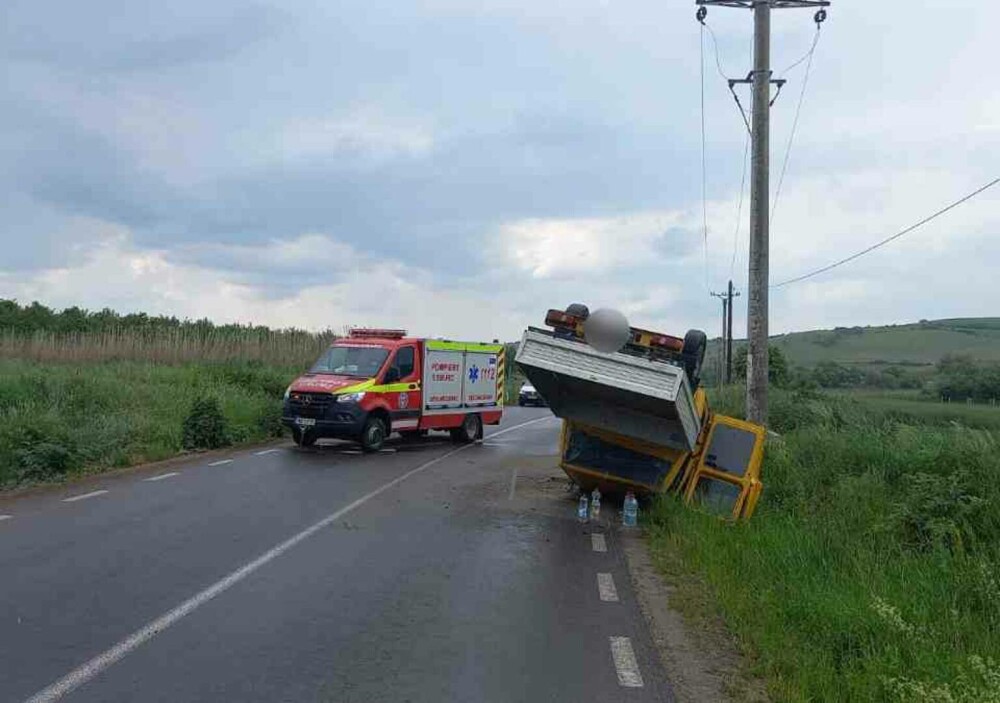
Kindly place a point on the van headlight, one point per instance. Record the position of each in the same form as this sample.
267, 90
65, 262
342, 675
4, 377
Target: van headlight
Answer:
351, 397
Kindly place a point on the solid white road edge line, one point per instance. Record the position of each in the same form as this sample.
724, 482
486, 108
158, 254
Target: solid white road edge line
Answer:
598, 543
85, 496
95, 666
162, 476
220, 462
606, 588
625, 662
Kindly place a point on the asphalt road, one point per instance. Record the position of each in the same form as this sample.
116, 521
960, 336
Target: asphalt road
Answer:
428, 573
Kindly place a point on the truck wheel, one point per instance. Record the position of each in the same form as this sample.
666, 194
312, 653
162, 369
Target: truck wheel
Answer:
578, 309
693, 353
303, 438
470, 431
373, 435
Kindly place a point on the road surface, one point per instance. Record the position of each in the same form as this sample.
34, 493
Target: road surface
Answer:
429, 573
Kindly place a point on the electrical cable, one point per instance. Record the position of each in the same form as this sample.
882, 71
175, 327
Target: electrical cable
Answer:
894, 237
795, 122
805, 56
704, 161
718, 58
739, 206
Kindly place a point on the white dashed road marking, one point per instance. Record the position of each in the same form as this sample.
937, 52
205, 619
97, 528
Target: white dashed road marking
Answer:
606, 588
625, 662
85, 496
513, 484
598, 543
162, 476
266, 451
5, 517
221, 462
95, 666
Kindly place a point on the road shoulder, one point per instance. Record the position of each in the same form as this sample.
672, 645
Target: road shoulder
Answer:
701, 659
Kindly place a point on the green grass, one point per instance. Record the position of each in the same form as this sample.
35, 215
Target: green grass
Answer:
60, 419
871, 570
917, 344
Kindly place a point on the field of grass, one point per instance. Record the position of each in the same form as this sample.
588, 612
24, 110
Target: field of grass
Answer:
63, 418
871, 570
916, 344
166, 346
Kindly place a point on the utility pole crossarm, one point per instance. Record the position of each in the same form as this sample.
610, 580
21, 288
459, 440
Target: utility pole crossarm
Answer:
775, 4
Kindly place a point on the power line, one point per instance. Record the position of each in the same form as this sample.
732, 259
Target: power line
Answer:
894, 237
718, 58
704, 161
739, 206
804, 57
798, 113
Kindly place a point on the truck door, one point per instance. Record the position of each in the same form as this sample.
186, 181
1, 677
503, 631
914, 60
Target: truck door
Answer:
402, 389
726, 480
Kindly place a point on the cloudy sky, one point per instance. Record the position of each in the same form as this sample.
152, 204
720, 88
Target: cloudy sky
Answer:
457, 167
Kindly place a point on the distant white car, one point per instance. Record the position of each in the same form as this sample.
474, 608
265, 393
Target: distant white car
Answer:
529, 396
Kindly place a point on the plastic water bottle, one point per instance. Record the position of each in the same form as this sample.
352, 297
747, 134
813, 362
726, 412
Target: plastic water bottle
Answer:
595, 504
582, 510
630, 513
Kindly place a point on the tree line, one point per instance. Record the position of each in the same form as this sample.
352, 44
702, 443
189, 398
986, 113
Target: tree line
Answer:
34, 318
955, 377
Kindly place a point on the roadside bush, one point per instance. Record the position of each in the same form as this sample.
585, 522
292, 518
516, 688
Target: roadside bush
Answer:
270, 421
120, 413
205, 426
40, 458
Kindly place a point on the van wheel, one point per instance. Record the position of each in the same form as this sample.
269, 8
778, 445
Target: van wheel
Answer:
470, 431
303, 438
373, 435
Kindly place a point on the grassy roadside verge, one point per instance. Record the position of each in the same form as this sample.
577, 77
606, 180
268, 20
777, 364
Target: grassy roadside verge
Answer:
64, 419
871, 570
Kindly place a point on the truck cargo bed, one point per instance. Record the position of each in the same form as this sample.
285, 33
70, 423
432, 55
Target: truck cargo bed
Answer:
630, 395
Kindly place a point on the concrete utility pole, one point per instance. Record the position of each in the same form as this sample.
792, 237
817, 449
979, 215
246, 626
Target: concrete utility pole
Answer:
726, 349
723, 344
757, 303
729, 336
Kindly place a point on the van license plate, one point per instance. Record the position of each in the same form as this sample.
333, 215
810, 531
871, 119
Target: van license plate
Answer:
305, 421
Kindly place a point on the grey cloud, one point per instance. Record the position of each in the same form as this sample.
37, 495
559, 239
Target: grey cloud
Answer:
114, 36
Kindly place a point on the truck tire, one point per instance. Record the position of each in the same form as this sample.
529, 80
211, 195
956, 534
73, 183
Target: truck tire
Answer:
470, 431
373, 435
303, 438
693, 354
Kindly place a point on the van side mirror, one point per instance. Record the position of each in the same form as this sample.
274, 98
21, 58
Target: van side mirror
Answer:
392, 375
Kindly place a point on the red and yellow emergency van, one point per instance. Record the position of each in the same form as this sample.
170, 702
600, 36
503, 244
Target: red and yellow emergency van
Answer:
376, 381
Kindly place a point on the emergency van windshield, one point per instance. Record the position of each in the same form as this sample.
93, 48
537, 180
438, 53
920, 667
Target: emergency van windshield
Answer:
362, 361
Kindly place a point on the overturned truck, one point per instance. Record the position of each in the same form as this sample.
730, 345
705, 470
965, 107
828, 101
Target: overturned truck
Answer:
635, 416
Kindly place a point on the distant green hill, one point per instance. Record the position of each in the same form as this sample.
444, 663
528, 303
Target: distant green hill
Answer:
920, 344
